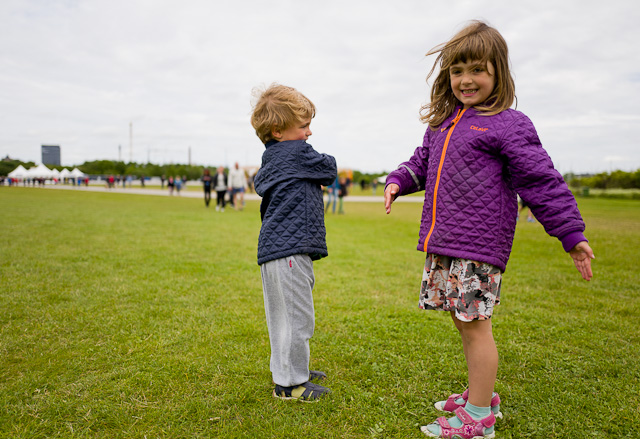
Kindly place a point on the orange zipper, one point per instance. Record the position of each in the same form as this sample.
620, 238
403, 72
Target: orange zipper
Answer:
452, 126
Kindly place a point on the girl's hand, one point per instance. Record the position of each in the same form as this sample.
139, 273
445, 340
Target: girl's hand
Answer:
582, 255
390, 193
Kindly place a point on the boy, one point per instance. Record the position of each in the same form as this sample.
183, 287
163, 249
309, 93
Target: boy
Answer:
292, 235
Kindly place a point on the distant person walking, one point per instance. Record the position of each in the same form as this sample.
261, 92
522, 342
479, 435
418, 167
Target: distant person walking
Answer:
477, 154
237, 184
207, 182
171, 185
332, 195
220, 186
343, 189
178, 183
525, 206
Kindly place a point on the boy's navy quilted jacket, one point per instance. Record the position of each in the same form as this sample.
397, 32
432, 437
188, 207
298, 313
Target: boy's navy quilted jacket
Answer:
292, 207
471, 169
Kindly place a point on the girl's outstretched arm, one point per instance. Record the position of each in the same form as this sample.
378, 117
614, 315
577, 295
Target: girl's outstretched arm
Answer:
582, 255
390, 193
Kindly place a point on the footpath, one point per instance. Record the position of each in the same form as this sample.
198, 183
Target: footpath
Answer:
199, 194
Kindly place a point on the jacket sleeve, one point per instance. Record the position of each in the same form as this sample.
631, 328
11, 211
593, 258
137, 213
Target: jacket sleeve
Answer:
316, 167
540, 185
412, 174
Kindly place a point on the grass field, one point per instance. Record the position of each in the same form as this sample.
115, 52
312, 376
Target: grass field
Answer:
127, 316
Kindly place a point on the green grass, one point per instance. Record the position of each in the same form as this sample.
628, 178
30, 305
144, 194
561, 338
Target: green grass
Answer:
126, 316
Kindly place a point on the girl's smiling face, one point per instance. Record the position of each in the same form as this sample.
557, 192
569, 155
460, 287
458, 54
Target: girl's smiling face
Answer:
472, 82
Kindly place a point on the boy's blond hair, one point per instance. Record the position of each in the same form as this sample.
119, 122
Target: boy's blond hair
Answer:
277, 108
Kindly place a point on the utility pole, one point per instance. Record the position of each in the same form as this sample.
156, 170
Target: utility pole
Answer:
189, 156
119, 153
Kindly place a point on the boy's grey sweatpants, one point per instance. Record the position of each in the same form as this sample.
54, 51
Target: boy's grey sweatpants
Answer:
287, 284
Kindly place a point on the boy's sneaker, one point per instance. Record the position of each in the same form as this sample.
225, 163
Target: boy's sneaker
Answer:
306, 392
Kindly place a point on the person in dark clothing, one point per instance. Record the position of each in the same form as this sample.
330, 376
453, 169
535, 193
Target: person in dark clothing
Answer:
207, 182
292, 234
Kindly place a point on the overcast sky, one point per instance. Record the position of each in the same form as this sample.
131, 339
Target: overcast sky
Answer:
78, 73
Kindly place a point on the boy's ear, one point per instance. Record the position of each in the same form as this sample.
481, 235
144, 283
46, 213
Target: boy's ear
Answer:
276, 133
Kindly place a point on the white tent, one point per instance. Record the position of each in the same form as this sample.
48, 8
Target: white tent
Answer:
65, 173
77, 173
19, 172
56, 173
40, 171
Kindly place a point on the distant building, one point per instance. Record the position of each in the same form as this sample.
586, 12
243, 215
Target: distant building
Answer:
51, 155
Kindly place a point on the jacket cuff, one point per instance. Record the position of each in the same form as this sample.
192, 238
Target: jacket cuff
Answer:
394, 180
570, 240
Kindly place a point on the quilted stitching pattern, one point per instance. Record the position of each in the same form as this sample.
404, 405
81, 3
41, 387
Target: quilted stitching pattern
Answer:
488, 160
292, 207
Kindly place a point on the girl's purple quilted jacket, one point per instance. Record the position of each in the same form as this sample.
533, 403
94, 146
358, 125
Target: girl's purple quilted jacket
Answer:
471, 169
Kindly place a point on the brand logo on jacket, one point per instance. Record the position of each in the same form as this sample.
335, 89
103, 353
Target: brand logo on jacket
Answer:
475, 128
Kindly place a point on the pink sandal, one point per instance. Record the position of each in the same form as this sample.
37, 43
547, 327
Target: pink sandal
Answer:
471, 429
450, 405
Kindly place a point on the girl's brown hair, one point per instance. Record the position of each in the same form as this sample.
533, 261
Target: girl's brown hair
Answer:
476, 42
277, 108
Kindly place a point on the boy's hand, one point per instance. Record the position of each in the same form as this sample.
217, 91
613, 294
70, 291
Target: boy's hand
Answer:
582, 255
390, 193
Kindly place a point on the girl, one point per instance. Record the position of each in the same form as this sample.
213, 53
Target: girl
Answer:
477, 155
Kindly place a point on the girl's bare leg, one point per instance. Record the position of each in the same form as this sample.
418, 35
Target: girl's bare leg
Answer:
482, 359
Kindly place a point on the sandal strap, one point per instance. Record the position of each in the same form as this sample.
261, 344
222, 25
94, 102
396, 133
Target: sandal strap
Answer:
451, 404
495, 399
444, 423
463, 415
309, 391
466, 418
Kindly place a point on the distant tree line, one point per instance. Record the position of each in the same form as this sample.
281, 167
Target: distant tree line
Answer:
605, 180
367, 178
109, 167
7, 165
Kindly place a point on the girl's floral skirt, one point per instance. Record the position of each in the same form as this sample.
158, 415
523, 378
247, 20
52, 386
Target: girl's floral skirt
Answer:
469, 288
